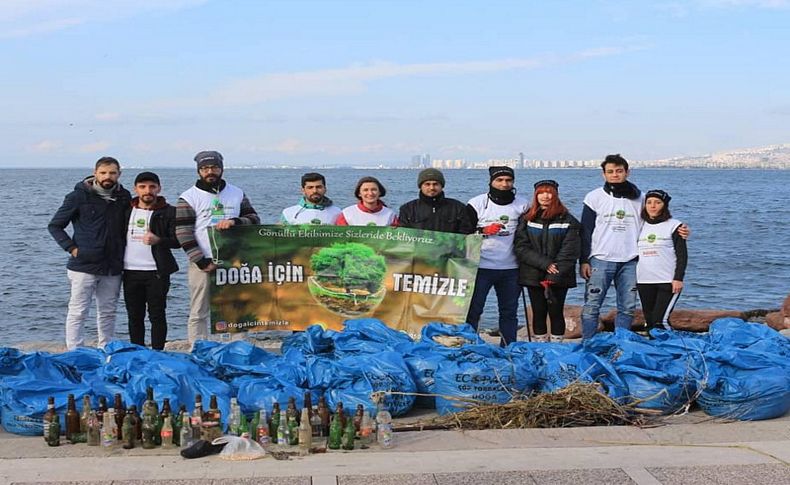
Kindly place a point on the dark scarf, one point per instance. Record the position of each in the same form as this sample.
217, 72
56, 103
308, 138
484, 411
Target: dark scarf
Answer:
214, 188
658, 220
623, 190
432, 201
501, 197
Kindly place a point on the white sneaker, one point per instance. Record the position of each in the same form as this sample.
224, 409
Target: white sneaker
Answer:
540, 338
557, 339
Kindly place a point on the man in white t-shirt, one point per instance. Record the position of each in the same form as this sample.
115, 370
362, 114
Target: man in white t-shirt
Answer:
211, 202
314, 207
495, 215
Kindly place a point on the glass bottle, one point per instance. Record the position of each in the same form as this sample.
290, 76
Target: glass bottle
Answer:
178, 422
274, 425
340, 412
293, 431
234, 420
72, 420
282, 430
53, 431
291, 410
186, 440
244, 427
108, 434
86, 412
366, 430
315, 424
196, 421
358, 417
335, 433
129, 438
120, 413
137, 424
262, 429
149, 430
167, 432
94, 430
308, 404
348, 435
102, 409
212, 420
305, 433
49, 416
324, 414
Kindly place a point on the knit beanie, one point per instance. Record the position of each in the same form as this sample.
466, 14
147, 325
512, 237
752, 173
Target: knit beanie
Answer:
659, 194
209, 157
499, 171
430, 174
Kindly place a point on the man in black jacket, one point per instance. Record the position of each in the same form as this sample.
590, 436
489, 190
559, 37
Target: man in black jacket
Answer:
148, 261
432, 210
95, 209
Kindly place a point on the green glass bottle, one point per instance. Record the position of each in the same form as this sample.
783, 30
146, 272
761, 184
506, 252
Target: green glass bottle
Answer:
349, 434
129, 436
293, 431
254, 426
335, 433
53, 431
149, 430
244, 427
274, 425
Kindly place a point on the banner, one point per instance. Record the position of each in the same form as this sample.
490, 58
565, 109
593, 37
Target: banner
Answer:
291, 277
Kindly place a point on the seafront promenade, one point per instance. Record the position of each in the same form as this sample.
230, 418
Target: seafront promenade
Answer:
690, 449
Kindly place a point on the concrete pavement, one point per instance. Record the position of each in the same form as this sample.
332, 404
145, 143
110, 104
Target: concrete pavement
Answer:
689, 450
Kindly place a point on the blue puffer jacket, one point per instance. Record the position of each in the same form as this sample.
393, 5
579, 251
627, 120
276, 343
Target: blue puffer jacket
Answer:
99, 229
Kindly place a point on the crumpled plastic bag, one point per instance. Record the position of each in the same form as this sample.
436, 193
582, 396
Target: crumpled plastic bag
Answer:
237, 448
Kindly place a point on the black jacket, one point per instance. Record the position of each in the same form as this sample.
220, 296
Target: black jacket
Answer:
540, 243
436, 214
162, 224
99, 229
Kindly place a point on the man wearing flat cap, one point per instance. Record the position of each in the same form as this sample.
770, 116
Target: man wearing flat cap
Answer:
211, 202
148, 260
496, 215
432, 210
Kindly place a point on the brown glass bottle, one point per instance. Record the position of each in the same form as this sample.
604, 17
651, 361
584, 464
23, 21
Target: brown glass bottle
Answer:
49, 418
72, 421
324, 414
120, 413
308, 404
212, 420
358, 418
102, 409
137, 423
341, 414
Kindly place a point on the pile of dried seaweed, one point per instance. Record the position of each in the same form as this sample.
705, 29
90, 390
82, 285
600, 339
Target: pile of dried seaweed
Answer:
579, 404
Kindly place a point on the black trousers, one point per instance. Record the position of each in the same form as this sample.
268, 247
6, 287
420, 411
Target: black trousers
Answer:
658, 301
141, 289
541, 308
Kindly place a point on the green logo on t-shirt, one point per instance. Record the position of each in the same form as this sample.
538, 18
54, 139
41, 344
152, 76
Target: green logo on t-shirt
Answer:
315, 222
620, 214
651, 238
140, 222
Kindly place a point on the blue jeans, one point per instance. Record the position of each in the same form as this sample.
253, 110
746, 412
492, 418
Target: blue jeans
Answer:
505, 283
603, 273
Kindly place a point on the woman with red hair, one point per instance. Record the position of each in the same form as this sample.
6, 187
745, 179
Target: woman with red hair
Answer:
547, 245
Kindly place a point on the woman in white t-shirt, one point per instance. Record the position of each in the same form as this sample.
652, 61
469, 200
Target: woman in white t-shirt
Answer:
662, 260
370, 210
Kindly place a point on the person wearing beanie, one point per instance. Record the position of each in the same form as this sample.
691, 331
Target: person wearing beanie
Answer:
148, 260
432, 210
370, 210
547, 245
611, 224
211, 202
663, 257
314, 207
495, 215
95, 210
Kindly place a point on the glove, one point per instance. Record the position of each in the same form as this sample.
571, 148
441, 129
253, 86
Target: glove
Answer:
492, 229
547, 293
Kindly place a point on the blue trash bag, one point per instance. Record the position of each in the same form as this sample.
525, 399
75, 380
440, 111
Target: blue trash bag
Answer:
11, 362
734, 332
667, 390
25, 402
234, 359
313, 341
319, 371
746, 385
423, 359
81, 359
463, 330
367, 336
256, 393
176, 378
480, 374
558, 370
356, 377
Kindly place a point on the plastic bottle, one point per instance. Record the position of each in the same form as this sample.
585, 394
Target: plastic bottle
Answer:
234, 421
384, 427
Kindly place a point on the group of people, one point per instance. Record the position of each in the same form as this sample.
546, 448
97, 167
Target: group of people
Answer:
624, 237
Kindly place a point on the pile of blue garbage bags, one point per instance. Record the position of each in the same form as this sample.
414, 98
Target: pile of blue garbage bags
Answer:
737, 370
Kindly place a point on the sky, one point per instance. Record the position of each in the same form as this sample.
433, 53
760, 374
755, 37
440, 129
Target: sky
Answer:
152, 82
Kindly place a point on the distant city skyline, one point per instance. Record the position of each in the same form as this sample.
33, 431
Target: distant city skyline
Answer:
322, 82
